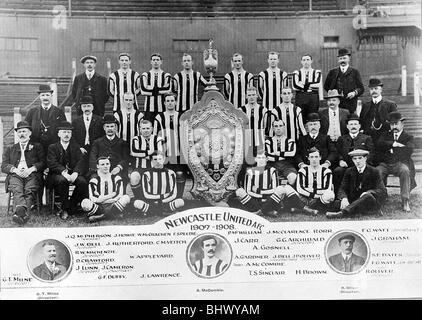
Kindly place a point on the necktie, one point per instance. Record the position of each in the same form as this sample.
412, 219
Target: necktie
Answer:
125, 82
306, 85
187, 91
22, 161
87, 131
128, 133
396, 136
334, 113
106, 187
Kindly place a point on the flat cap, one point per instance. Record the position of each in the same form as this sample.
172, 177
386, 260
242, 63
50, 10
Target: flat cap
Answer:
347, 236
358, 152
84, 58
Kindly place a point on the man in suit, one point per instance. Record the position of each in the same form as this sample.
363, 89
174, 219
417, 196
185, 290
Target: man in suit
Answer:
90, 83
110, 146
354, 139
88, 127
316, 139
45, 119
66, 163
346, 80
361, 190
210, 265
346, 261
374, 114
395, 149
50, 269
23, 163
333, 118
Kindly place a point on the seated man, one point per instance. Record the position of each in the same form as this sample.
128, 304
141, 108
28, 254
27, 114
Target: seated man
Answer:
281, 152
23, 163
66, 163
156, 189
395, 154
106, 198
143, 146
361, 189
261, 193
315, 182
354, 139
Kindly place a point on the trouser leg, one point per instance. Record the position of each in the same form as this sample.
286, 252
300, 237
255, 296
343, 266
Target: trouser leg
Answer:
80, 192
61, 187
250, 204
384, 170
363, 204
338, 174
16, 185
402, 171
31, 189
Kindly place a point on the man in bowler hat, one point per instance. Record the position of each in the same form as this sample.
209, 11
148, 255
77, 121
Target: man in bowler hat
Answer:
90, 83
23, 163
346, 80
346, 261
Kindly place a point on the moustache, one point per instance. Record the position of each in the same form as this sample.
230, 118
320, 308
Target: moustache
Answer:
211, 251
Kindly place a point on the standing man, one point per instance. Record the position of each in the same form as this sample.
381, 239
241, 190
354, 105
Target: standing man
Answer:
346, 80
271, 81
122, 81
306, 82
154, 85
45, 119
333, 118
90, 83
396, 148
236, 82
186, 84
346, 260
23, 163
66, 164
361, 189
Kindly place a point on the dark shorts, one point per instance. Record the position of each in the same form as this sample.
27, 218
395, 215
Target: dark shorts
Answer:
284, 168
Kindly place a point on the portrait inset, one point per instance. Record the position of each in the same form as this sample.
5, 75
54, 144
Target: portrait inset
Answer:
50, 260
209, 255
347, 252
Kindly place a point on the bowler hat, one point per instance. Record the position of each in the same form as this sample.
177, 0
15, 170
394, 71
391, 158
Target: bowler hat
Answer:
358, 152
394, 116
23, 125
86, 100
344, 52
347, 236
108, 118
44, 88
65, 125
312, 117
353, 116
333, 94
84, 58
375, 82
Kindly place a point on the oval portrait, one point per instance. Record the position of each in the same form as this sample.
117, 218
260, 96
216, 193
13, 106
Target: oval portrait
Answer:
209, 255
50, 260
347, 252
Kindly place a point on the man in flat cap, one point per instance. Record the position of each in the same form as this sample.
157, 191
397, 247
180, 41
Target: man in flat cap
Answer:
66, 163
346, 80
374, 114
361, 189
354, 139
45, 119
333, 118
90, 83
395, 149
23, 163
346, 261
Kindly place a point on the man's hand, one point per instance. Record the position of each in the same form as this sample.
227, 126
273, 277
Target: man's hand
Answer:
398, 144
343, 164
344, 203
301, 165
254, 189
83, 150
326, 165
66, 175
73, 177
334, 138
28, 172
18, 172
150, 152
351, 95
115, 171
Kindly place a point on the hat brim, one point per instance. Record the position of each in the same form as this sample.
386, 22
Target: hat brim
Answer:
337, 96
375, 85
344, 54
44, 91
25, 127
347, 237
88, 58
392, 121
64, 128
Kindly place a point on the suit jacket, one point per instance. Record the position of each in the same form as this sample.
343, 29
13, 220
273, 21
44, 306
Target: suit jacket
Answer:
117, 150
325, 120
95, 131
96, 87
56, 160
371, 182
345, 144
322, 142
34, 156
384, 108
44, 273
351, 81
399, 154
354, 263
55, 117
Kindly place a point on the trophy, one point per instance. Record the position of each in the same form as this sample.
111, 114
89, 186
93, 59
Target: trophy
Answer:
210, 64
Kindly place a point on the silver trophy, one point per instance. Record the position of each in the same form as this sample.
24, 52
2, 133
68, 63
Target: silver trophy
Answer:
210, 64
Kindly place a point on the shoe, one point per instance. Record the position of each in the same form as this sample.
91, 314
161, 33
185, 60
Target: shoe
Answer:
272, 214
17, 219
96, 217
331, 214
406, 207
64, 215
258, 213
310, 211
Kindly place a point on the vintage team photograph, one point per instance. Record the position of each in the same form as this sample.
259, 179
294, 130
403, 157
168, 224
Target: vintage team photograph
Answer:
126, 112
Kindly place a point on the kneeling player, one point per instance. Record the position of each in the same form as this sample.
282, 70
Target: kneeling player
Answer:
106, 198
156, 189
315, 182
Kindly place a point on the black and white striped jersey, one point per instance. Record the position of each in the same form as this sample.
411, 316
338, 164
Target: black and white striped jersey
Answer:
280, 148
186, 85
270, 84
235, 85
311, 183
121, 82
154, 85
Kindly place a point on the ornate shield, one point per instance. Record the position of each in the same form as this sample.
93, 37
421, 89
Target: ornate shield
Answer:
212, 141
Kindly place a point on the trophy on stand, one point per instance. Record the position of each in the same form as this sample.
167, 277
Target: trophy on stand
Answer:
210, 64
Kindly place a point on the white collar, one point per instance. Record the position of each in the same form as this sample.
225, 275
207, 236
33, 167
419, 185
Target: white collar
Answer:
398, 133
125, 71
344, 68
346, 256
377, 99
286, 105
110, 138
307, 70
361, 170
334, 110
50, 266
64, 145
89, 116
89, 73
353, 136
276, 69
46, 107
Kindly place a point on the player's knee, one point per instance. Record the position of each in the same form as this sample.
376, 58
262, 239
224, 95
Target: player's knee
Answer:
86, 204
124, 200
288, 190
404, 170
291, 178
135, 178
279, 191
327, 197
139, 204
178, 203
241, 193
